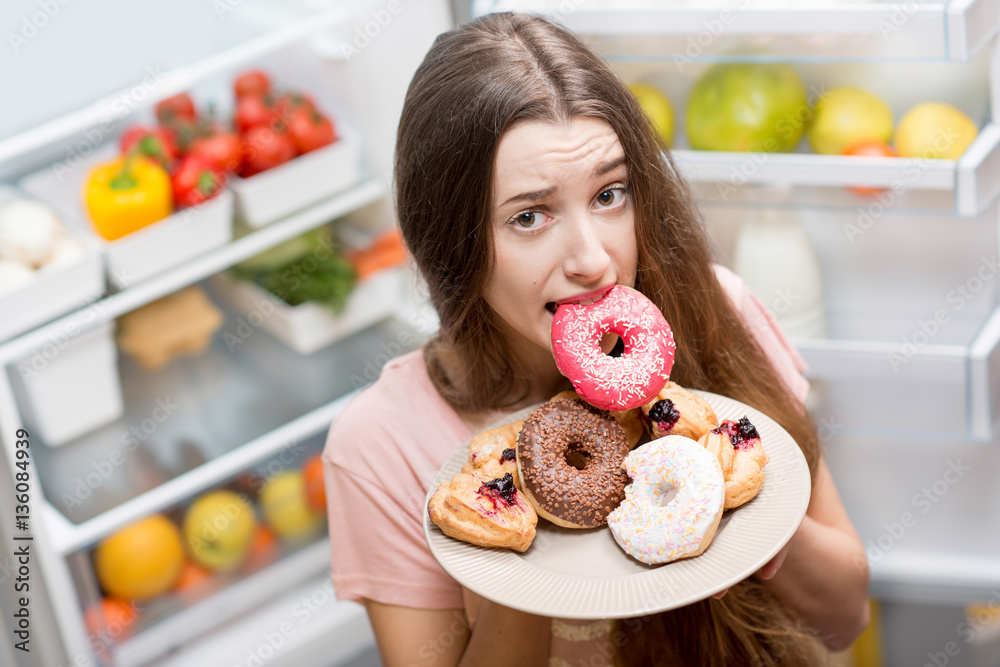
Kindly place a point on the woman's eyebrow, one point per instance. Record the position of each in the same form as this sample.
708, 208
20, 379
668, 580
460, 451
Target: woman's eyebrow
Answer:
531, 196
602, 169
605, 167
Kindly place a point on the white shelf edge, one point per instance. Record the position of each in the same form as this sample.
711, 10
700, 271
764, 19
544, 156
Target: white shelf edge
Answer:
175, 81
953, 31
67, 537
104, 310
934, 578
233, 600
812, 169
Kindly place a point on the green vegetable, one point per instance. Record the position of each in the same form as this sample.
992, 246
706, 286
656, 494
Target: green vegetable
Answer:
306, 268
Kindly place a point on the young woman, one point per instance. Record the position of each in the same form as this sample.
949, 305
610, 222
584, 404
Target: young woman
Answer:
527, 176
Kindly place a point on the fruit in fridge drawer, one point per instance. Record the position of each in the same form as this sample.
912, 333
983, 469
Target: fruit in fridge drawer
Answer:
934, 130
283, 502
869, 149
178, 107
156, 144
196, 181
747, 107
263, 148
252, 111
111, 620
845, 116
252, 82
194, 577
221, 149
310, 130
140, 561
312, 472
657, 107
127, 194
218, 529
263, 549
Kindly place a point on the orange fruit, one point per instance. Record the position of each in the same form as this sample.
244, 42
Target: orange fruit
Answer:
193, 577
263, 549
312, 472
141, 560
869, 148
111, 618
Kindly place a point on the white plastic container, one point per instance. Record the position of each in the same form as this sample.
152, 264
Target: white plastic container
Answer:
304, 180
151, 250
55, 290
71, 388
309, 327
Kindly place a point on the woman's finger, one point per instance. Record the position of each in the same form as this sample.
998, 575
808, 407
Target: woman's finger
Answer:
720, 594
773, 565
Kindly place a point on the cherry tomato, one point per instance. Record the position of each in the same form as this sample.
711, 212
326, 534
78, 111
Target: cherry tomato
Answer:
287, 104
252, 111
178, 107
869, 148
310, 130
252, 82
220, 149
264, 148
196, 181
156, 143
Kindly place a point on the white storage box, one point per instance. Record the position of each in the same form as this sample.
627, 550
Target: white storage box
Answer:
306, 179
56, 289
152, 249
72, 388
308, 327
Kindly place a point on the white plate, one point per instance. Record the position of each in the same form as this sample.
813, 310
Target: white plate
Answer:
584, 574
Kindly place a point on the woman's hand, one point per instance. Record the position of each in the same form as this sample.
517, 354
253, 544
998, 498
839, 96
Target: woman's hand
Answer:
769, 570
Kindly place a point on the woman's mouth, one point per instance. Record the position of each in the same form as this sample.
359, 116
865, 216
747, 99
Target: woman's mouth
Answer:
587, 299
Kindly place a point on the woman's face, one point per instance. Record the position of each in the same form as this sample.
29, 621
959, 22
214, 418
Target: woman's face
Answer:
563, 220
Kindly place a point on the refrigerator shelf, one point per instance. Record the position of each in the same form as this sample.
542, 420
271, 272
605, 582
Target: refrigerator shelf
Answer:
943, 390
248, 35
818, 31
972, 182
243, 246
237, 598
235, 408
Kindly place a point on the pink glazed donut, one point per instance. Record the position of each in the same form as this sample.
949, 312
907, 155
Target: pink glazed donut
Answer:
610, 383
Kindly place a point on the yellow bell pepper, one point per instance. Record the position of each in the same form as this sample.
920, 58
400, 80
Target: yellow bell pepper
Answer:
127, 194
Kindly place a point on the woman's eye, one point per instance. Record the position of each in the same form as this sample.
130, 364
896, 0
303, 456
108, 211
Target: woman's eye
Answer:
610, 197
527, 219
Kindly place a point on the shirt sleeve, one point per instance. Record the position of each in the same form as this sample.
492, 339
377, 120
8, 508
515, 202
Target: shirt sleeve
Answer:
377, 547
786, 360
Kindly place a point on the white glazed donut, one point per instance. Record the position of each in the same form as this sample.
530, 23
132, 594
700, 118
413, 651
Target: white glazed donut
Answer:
683, 527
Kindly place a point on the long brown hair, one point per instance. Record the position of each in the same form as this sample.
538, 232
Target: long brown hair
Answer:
475, 83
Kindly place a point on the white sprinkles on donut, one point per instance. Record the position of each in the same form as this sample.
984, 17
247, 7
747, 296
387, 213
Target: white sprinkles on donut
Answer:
612, 383
683, 527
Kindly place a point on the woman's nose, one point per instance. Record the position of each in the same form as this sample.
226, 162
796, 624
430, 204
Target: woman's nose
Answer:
587, 258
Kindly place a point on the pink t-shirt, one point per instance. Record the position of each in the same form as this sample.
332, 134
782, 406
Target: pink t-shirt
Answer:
386, 447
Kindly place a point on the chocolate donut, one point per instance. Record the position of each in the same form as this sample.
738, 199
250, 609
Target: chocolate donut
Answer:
569, 458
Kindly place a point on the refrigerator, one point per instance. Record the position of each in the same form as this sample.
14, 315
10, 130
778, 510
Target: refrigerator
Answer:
903, 354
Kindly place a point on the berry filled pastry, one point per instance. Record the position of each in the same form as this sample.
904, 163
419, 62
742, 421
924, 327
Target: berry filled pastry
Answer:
737, 447
484, 512
676, 411
493, 453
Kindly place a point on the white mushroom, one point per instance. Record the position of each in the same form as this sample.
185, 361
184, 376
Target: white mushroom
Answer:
13, 274
28, 231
